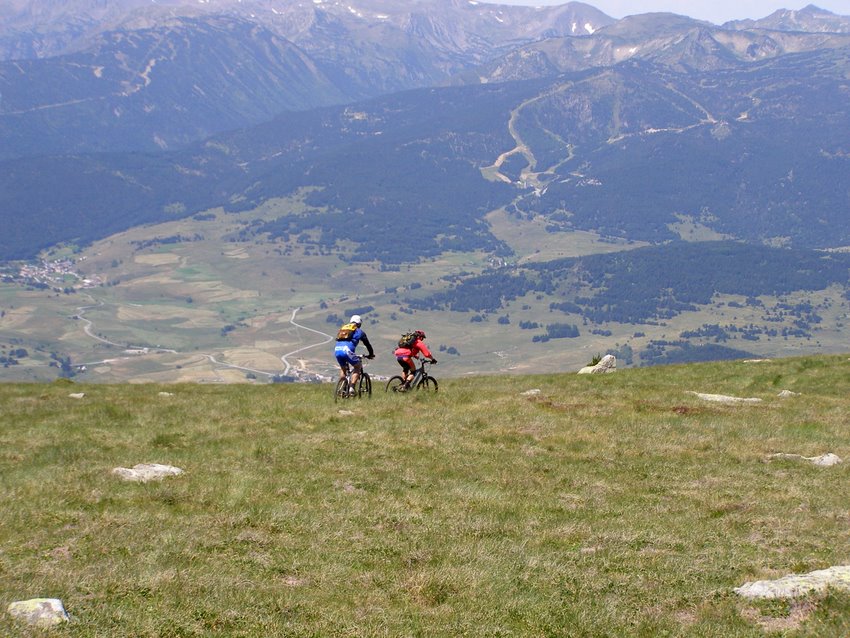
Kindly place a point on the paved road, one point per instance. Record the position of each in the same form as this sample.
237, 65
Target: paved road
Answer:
326, 339
88, 328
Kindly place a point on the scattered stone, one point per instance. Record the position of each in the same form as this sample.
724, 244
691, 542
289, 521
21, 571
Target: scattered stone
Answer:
346, 413
756, 360
144, 472
722, 398
787, 393
824, 460
77, 395
42, 612
795, 585
166, 394
607, 364
531, 393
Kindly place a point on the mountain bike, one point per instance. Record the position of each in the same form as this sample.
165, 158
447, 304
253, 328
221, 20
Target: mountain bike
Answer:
364, 384
421, 380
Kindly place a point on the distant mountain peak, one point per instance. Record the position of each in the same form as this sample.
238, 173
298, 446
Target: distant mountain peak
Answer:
810, 19
810, 8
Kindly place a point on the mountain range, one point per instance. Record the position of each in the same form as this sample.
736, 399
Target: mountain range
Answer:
750, 150
103, 75
650, 131
149, 76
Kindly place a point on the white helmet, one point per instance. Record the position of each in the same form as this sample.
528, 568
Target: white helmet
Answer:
356, 319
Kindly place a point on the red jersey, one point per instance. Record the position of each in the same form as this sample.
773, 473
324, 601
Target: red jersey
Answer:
417, 347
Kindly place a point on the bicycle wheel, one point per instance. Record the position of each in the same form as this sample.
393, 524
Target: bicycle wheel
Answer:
341, 390
365, 384
427, 383
394, 384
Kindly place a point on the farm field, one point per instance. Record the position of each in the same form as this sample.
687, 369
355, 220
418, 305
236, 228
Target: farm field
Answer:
194, 301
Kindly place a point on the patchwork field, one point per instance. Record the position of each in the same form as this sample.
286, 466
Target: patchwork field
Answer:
194, 300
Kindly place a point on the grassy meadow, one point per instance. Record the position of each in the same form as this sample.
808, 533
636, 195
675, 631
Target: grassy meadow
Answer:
614, 505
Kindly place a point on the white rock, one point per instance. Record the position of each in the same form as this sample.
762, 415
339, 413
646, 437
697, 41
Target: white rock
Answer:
346, 413
787, 393
531, 393
42, 612
166, 394
824, 460
795, 585
606, 365
77, 395
722, 398
144, 472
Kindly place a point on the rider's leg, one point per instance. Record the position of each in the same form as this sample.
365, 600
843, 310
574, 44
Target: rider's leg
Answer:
355, 375
342, 362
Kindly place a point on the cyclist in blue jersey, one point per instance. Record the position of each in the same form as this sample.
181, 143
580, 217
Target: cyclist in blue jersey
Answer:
348, 337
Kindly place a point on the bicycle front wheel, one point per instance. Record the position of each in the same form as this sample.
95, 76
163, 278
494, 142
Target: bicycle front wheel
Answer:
365, 384
428, 384
394, 384
341, 390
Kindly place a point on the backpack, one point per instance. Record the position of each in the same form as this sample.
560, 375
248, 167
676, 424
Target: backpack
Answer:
346, 331
407, 340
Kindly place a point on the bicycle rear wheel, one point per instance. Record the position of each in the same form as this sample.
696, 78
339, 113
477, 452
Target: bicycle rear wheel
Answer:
394, 384
428, 383
365, 384
341, 390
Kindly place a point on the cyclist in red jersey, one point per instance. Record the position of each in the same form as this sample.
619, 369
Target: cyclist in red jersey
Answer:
405, 356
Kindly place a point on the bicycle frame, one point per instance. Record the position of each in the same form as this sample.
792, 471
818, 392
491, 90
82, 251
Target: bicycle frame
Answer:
364, 384
421, 379
421, 372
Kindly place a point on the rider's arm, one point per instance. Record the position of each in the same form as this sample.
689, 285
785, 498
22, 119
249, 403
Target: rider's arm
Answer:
422, 348
365, 341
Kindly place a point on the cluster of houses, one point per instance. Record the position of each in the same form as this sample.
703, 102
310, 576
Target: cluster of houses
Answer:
59, 274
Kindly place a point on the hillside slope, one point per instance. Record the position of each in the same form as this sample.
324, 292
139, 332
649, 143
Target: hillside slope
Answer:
156, 89
629, 152
501, 505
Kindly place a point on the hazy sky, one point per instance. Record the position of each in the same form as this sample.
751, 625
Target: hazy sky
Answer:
716, 11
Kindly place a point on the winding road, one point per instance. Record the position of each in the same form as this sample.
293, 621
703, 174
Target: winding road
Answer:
88, 328
283, 358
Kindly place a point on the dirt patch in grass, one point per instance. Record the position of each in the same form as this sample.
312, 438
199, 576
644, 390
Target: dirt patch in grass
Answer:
560, 407
799, 612
685, 410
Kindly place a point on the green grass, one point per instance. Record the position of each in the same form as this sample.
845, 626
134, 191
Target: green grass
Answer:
616, 505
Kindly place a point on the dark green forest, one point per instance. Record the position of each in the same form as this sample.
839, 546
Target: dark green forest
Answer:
649, 284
